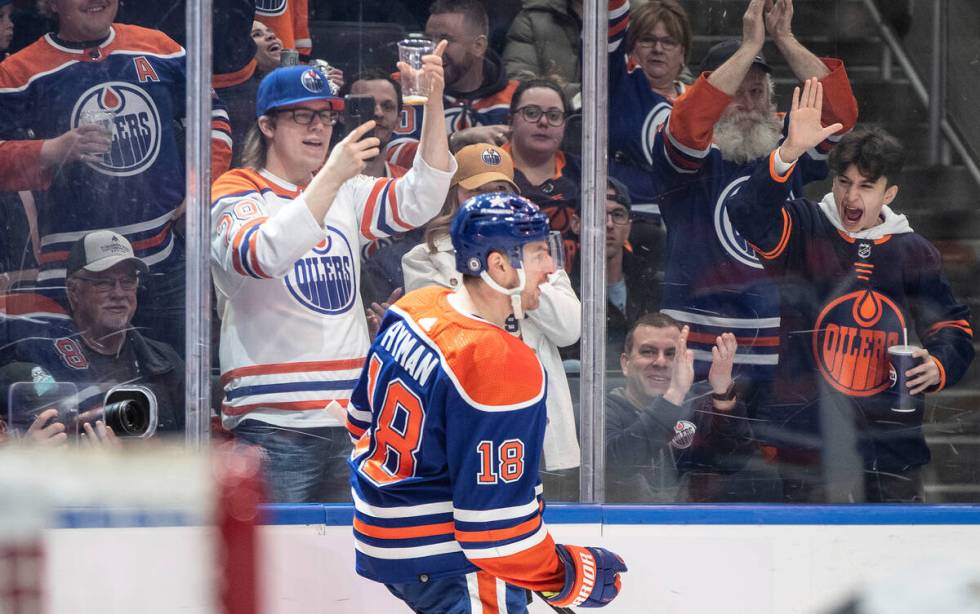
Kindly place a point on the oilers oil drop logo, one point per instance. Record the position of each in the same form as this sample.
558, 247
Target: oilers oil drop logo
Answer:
324, 280
851, 339
135, 126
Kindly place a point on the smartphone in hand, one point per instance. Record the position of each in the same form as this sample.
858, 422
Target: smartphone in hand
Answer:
357, 110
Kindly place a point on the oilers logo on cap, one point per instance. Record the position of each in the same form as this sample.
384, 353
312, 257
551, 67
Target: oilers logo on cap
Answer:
312, 80
325, 280
135, 126
490, 157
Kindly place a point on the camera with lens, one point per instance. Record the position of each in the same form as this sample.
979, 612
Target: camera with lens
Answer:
130, 411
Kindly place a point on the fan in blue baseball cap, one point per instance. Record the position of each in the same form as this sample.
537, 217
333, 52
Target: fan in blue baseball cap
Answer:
287, 233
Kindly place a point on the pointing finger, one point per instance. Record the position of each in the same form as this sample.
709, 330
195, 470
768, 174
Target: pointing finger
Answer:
441, 47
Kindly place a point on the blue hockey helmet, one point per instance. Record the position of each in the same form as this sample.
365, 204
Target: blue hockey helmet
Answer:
495, 221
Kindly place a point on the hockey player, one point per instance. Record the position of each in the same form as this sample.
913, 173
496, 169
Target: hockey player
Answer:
853, 276
718, 132
448, 418
286, 238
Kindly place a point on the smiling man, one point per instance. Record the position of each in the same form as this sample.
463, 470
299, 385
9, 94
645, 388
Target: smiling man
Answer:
853, 278
661, 424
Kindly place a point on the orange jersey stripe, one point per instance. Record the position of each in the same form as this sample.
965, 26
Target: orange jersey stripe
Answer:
293, 367
372, 203
962, 325
772, 169
537, 568
229, 79
783, 239
425, 530
493, 535
487, 589
742, 341
20, 304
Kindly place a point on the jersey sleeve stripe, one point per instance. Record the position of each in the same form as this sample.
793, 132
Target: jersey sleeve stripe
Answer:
393, 207
425, 530
407, 553
783, 239
253, 253
237, 410
293, 367
772, 169
501, 513
506, 550
356, 430
243, 391
493, 535
961, 325
404, 511
709, 339
240, 247
383, 202
370, 205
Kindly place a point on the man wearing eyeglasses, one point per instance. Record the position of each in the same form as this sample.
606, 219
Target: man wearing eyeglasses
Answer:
96, 347
631, 284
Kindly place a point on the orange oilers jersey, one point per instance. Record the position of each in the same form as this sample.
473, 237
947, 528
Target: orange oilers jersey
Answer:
293, 332
290, 20
448, 419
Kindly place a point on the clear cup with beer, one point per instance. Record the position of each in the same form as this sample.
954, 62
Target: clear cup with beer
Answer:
415, 83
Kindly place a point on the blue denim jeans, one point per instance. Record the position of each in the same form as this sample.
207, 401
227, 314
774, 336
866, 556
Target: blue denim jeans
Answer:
459, 595
301, 465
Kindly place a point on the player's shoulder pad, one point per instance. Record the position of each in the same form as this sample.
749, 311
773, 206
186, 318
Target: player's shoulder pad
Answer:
137, 39
491, 369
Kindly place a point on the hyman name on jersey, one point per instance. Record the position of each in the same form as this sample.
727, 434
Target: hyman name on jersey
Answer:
413, 355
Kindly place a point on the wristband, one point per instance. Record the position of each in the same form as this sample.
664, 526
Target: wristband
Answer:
728, 395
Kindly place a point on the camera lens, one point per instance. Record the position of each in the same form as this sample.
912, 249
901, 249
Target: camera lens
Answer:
127, 417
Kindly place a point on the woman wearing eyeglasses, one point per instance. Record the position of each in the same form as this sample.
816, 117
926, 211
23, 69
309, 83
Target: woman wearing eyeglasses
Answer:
647, 51
543, 172
286, 237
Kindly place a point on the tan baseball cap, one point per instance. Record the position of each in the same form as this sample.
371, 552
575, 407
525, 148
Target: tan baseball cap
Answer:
100, 250
482, 163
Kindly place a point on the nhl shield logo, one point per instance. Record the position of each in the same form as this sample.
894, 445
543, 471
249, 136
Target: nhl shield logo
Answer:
684, 431
135, 126
490, 157
312, 81
864, 250
270, 7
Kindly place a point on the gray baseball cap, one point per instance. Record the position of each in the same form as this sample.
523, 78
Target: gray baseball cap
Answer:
101, 250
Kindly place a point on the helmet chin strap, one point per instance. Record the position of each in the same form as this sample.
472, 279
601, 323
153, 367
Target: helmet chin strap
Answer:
513, 293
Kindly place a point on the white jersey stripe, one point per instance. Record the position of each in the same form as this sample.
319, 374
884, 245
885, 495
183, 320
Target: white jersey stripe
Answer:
473, 589
412, 552
405, 511
743, 359
509, 549
697, 318
71, 237
501, 596
503, 513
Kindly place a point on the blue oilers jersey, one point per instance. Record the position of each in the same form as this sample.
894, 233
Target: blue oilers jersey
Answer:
846, 299
714, 282
137, 77
448, 419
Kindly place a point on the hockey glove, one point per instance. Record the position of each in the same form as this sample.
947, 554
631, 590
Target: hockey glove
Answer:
591, 576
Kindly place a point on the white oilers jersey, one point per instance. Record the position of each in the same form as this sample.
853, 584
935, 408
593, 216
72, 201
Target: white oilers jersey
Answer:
293, 331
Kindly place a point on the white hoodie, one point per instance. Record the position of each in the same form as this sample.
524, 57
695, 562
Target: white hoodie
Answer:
893, 223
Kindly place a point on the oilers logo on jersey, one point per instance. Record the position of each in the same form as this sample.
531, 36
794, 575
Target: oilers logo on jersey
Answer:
324, 280
270, 7
735, 246
136, 131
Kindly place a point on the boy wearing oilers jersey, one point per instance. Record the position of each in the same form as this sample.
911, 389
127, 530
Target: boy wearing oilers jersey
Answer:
853, 277
88, 115
448, 418
717, 133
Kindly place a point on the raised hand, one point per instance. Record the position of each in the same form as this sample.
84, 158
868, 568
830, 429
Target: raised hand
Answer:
779, 20
722, 359
682, 376
375, 313
805, 129
754, 24
432, 68
348, 157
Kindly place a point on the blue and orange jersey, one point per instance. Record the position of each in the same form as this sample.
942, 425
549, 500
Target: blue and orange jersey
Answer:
137, 75
448, 419
639, 112
721, 285
293, 333
845, 299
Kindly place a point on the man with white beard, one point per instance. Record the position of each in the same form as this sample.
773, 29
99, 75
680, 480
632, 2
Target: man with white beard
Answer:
718, 132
